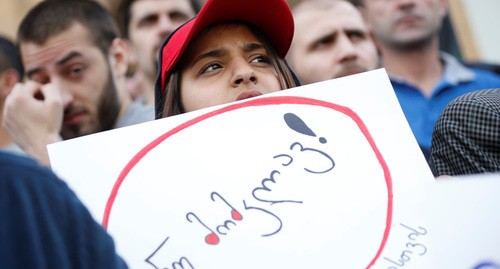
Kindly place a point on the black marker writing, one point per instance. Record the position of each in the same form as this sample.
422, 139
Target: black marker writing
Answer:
211, 238
297, 124
183, 262
412, 248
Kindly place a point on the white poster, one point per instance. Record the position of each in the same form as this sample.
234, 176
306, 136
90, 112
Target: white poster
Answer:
326, 175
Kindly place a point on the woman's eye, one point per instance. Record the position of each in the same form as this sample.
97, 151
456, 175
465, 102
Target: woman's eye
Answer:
261, 59
210, 68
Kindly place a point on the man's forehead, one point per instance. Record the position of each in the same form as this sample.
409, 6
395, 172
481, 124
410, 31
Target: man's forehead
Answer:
336, 7
54, 49
143, 7
326, 19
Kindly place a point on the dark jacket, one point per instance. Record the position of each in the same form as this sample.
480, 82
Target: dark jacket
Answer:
44, 225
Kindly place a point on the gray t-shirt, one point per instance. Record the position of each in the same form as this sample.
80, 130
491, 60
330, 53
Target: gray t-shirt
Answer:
136, 113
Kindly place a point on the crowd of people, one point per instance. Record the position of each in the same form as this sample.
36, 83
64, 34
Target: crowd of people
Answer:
76, 68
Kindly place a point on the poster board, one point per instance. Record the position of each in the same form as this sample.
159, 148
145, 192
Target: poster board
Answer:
326, 175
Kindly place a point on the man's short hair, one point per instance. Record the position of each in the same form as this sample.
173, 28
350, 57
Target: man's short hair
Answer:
9, 56
50, 18
123, 16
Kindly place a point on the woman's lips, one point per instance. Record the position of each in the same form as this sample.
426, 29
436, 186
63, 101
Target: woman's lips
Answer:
248, 94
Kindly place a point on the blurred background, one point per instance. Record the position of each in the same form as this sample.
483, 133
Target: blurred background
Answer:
471, 31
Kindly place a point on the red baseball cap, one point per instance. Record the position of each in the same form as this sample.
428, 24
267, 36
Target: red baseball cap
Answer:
272, 17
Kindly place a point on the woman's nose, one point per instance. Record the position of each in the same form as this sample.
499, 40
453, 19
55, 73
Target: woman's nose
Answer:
243, 73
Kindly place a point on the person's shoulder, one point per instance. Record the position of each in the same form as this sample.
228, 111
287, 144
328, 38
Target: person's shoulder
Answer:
19, 163
18, 170
479, 106
39, 207
490, 67
138, 105
136, 112
492, 95
484, 75
483, 79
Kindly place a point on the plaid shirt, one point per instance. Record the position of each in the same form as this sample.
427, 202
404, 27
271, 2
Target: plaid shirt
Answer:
466, 137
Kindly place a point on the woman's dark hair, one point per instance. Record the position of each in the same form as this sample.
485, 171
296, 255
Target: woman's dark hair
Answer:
172, 104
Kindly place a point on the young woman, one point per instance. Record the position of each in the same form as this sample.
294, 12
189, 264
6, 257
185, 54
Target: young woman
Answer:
231, 51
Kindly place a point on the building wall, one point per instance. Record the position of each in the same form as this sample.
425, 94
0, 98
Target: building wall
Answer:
484, 20
13, 11
11, 14
476, 23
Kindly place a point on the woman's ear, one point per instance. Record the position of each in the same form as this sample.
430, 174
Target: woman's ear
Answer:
119, 57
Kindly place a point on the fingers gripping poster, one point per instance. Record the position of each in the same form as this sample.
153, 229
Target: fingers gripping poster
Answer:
321, 176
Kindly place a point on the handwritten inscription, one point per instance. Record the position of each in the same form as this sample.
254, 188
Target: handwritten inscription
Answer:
183, 262
487, 265
319, 162
413, 247
212, 238
266, 185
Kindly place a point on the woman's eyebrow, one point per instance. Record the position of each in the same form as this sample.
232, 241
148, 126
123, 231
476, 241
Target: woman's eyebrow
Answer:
252, 46
210, 54
220, 52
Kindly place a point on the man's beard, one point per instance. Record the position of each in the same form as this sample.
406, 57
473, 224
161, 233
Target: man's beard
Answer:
109, 107
108, 110
415, 44
350, 69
